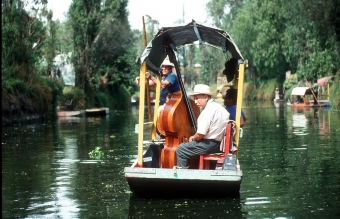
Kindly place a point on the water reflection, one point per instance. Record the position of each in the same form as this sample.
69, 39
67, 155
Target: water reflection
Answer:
66, 169
289, 159
306, 118
257, 200
299, 124
185, 208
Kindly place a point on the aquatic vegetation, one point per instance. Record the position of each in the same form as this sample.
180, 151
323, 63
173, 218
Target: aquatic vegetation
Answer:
97, 153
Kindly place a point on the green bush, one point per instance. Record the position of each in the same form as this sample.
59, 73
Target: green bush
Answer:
75, 94
248, 91
101, 99
335, 92
290, 82
121, 99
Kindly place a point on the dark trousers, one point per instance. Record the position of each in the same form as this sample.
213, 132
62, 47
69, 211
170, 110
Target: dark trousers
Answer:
193, 149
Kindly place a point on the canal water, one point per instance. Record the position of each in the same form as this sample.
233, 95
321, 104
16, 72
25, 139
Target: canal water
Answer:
289, 157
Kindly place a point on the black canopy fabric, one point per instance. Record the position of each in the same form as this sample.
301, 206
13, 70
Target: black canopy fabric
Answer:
180, 35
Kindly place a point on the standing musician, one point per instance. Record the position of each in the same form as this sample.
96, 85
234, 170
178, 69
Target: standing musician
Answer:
211, 125
169, 81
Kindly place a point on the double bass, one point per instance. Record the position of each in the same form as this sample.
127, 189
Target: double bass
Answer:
177, 121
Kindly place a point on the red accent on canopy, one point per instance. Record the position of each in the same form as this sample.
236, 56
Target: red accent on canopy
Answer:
324, 81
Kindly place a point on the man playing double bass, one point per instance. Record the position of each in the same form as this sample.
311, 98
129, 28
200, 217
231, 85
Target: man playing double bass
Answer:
169, 82
211, 125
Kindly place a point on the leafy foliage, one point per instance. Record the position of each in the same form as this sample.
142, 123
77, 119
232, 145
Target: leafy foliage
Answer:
335, 91
23, 37
291, 81
277, 36
97, 153
212, 61
104, 55
76, 95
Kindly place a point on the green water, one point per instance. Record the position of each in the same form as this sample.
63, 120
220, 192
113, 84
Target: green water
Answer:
289, 158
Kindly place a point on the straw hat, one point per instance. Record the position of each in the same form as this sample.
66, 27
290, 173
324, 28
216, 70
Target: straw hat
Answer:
201, 89
166, 62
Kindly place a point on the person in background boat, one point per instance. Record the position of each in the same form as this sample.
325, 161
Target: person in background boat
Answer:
299, 99
230, 103
219, 95
211, 125
316, 91
169, 82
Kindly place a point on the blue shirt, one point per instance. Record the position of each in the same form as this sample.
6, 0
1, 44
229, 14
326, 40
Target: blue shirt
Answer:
232, 112
174, 87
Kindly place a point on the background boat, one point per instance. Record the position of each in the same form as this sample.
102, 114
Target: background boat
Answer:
103, 111
70, 113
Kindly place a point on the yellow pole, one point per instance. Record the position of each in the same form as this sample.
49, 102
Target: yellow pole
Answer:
239, 86
155, 111
141, 114
329, 120
328, 91
147, 81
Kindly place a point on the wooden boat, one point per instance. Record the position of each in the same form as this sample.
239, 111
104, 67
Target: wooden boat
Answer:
323, 83
70, 113
97, 111
154, 172
303, 97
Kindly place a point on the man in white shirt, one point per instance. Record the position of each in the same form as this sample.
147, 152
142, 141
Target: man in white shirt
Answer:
211, 125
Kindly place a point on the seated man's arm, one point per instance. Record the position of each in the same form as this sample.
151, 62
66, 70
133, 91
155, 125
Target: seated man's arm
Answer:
196, 137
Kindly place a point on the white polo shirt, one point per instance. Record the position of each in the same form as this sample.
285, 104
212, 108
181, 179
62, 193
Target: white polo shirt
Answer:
212, 121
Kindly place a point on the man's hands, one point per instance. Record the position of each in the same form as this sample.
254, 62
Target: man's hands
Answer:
137, 79
147, 76
196, 137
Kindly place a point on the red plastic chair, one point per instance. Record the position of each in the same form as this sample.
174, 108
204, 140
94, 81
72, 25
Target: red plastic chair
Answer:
206, 158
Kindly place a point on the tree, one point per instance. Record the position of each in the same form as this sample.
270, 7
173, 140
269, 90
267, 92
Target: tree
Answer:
22, 39
103, 44
64, 36
49, 47
23, 36
277, 36
312, 38
223, 12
